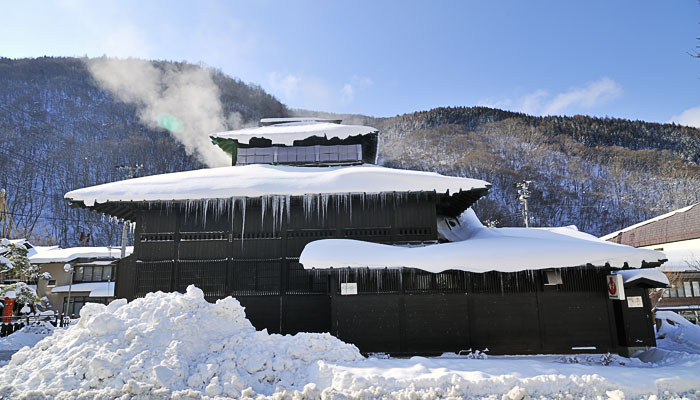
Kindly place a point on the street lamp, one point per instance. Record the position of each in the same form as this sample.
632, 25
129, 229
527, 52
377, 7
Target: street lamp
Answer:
69, 269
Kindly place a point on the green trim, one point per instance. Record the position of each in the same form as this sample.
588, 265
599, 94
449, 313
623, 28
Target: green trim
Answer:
230, 146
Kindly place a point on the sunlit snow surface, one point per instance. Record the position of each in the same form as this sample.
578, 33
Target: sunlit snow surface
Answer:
265, 180
179, 346
480, 249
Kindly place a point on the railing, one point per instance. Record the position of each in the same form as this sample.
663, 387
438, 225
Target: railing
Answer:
14, 323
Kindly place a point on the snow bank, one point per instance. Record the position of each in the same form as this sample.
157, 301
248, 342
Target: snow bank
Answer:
167, 344
261, 180
27, 336
677, 333
288, 132
480, 249
59, 255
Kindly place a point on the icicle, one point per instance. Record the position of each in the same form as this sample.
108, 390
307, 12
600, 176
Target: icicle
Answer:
324, 204
308, 206
288, 201
243, 204
205, 204
275, 205
263, 204
233, 217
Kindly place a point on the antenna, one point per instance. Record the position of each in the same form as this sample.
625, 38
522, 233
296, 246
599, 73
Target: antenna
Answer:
523, 195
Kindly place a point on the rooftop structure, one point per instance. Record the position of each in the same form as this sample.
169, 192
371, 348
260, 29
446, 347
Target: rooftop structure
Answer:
300, 141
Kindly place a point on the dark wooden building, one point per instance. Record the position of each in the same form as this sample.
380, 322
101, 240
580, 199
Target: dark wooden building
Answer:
239, 231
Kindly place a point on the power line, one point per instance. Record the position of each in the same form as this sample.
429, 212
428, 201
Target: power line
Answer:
38, 193
53, 218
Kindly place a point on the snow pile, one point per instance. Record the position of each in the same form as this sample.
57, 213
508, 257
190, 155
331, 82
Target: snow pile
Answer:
27, 336
480, 249
288, 132
167, 344
264, 180
677, 333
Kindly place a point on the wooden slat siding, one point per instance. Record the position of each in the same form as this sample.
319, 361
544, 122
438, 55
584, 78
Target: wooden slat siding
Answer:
262, 311
153, 276
574, 319
677, 227
208, 275
307, 314
637, 323
371, 322
436, 323
126, 275
505, 324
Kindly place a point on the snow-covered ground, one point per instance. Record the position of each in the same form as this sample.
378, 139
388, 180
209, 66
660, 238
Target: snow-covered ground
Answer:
27, 336
179, 346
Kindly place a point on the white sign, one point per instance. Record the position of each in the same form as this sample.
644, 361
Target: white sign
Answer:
616, 288
348, 288
635, 302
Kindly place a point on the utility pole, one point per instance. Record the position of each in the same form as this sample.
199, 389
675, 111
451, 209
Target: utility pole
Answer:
131, 171
523, 195
5, 215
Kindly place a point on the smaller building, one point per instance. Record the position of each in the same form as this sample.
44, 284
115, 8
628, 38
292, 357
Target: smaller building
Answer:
300, 142
677, 235
93, 276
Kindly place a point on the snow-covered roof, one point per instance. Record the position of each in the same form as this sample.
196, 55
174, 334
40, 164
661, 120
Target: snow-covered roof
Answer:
481, 249
650, 274
19, 242
96, 289
288, 132
273, 121
659, 218
261, 180
59, 255
681, 260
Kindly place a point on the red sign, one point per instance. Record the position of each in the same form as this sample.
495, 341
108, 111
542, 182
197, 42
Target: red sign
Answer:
612, 287
7, 310
616, 287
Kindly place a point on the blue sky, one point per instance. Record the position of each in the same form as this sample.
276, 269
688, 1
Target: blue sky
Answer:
624, 59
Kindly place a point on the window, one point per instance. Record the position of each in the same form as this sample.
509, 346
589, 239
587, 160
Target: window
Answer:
52, 282
77, 303
93, 273
686, 288
300, 154
696, 288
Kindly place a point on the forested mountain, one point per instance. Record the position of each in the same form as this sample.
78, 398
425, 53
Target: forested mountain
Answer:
600, 174
60, 130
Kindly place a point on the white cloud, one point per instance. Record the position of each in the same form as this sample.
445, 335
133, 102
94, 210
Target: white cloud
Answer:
347, 93
572, 101
314, 93
689, 117
593, 94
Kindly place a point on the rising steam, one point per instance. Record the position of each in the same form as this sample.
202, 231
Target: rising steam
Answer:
183, 99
